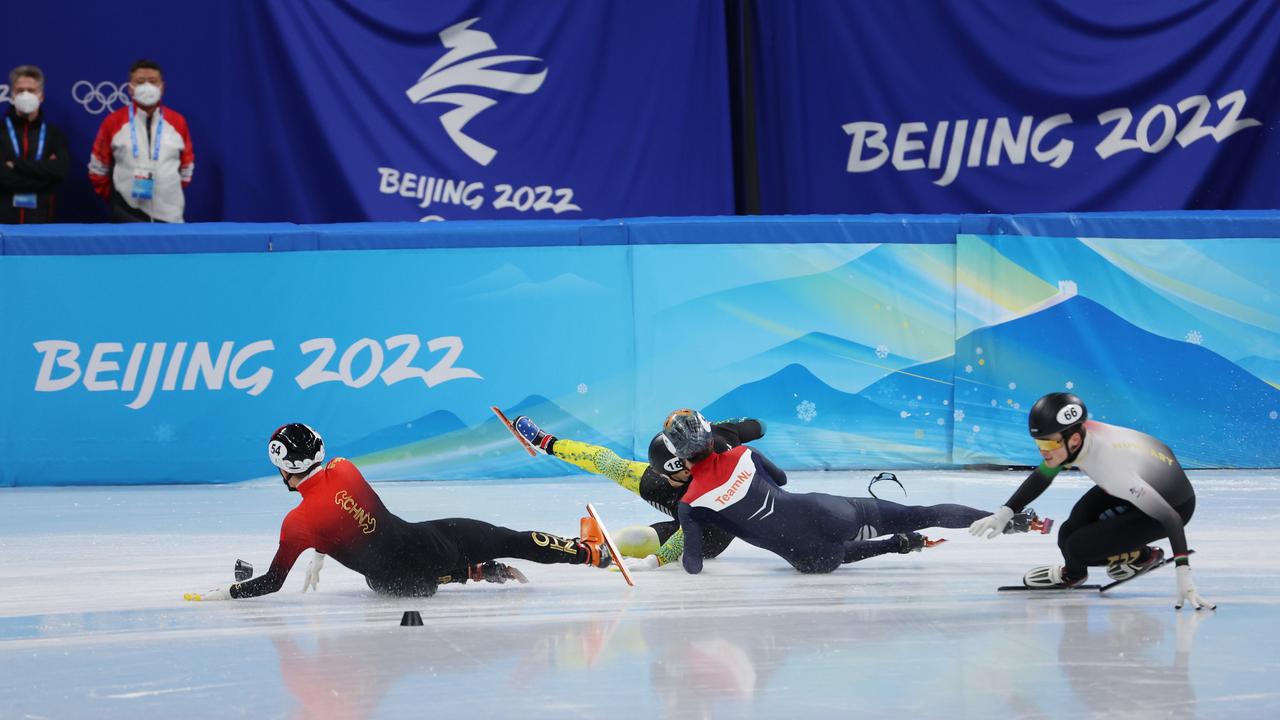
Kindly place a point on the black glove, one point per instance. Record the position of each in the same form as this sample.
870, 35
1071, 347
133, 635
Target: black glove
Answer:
495, 572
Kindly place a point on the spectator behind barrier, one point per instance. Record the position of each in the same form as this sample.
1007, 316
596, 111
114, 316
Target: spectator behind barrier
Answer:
142, 158
34, 153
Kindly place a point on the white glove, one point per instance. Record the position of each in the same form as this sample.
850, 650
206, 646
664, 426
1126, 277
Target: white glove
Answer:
313, 572
649, 562
992, 525
214, 594
1187, 590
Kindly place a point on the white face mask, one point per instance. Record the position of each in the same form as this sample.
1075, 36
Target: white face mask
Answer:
146, 94
26, 102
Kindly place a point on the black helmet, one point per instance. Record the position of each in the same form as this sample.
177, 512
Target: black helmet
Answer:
1056, 413
687, 434
661, 459
295, 449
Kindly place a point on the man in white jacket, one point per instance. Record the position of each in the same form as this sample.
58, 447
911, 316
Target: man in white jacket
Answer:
142, 158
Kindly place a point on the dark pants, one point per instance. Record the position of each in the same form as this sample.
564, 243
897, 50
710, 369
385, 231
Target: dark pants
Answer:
122, 212
882, 517
1101, 528
837, 529
441, 551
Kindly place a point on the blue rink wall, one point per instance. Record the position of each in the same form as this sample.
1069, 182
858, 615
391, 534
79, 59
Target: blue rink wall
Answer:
148, 354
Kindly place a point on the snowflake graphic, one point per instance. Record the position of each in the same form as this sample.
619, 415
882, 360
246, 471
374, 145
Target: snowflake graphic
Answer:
806, 411
1194, 337
882, 351
164, 433
958, 415
582, 388
968, 368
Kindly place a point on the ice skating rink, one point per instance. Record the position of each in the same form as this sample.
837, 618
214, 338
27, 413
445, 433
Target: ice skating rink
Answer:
93, 625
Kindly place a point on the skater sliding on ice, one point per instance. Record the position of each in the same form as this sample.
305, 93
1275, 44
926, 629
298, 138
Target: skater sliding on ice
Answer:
340, 515
740, 491
1142, 495
661, 482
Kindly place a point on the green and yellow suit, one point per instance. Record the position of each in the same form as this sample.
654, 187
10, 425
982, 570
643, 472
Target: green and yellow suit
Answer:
663, 539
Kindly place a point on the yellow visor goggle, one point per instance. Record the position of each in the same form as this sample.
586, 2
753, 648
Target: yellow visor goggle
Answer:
1048, 445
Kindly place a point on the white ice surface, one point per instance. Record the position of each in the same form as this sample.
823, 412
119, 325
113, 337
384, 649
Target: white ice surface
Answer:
93, 625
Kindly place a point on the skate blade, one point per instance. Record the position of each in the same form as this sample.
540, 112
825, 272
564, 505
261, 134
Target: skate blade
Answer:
511, 428
613, 549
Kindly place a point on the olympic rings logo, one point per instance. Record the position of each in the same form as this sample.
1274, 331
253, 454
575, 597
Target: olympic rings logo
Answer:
100, 98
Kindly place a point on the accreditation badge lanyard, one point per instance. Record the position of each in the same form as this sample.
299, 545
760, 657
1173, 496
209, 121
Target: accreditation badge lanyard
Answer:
144, 180
25, 200
13, 138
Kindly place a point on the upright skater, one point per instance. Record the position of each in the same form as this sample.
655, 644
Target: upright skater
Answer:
1142, 495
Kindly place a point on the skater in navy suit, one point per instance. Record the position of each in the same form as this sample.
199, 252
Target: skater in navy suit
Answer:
740, 490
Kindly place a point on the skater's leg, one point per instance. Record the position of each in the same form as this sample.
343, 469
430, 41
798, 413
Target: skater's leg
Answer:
887, 517
1094, 506
480, 541
638, 541
855, 550
1120, 535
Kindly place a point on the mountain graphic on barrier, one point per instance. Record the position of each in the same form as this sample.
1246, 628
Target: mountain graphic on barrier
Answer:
486, 449
440, 422
800, 305
844, 363
1211, 412
780, 397
814, 426
1160, 311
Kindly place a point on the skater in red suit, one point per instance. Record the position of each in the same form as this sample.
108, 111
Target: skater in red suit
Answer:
340, 515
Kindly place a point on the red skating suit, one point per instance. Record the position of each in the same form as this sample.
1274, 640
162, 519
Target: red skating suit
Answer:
341, 516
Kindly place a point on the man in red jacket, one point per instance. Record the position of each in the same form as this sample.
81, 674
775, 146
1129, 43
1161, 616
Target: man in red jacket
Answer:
341, 515
142, 158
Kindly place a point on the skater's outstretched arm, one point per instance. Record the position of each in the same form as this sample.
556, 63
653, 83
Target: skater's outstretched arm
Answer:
1036, 483
292, 544
739, 431
273, 579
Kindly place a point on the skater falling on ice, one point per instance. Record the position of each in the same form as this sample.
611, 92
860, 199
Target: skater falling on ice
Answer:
739, 490
661, 482
340, 515
1141, 495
